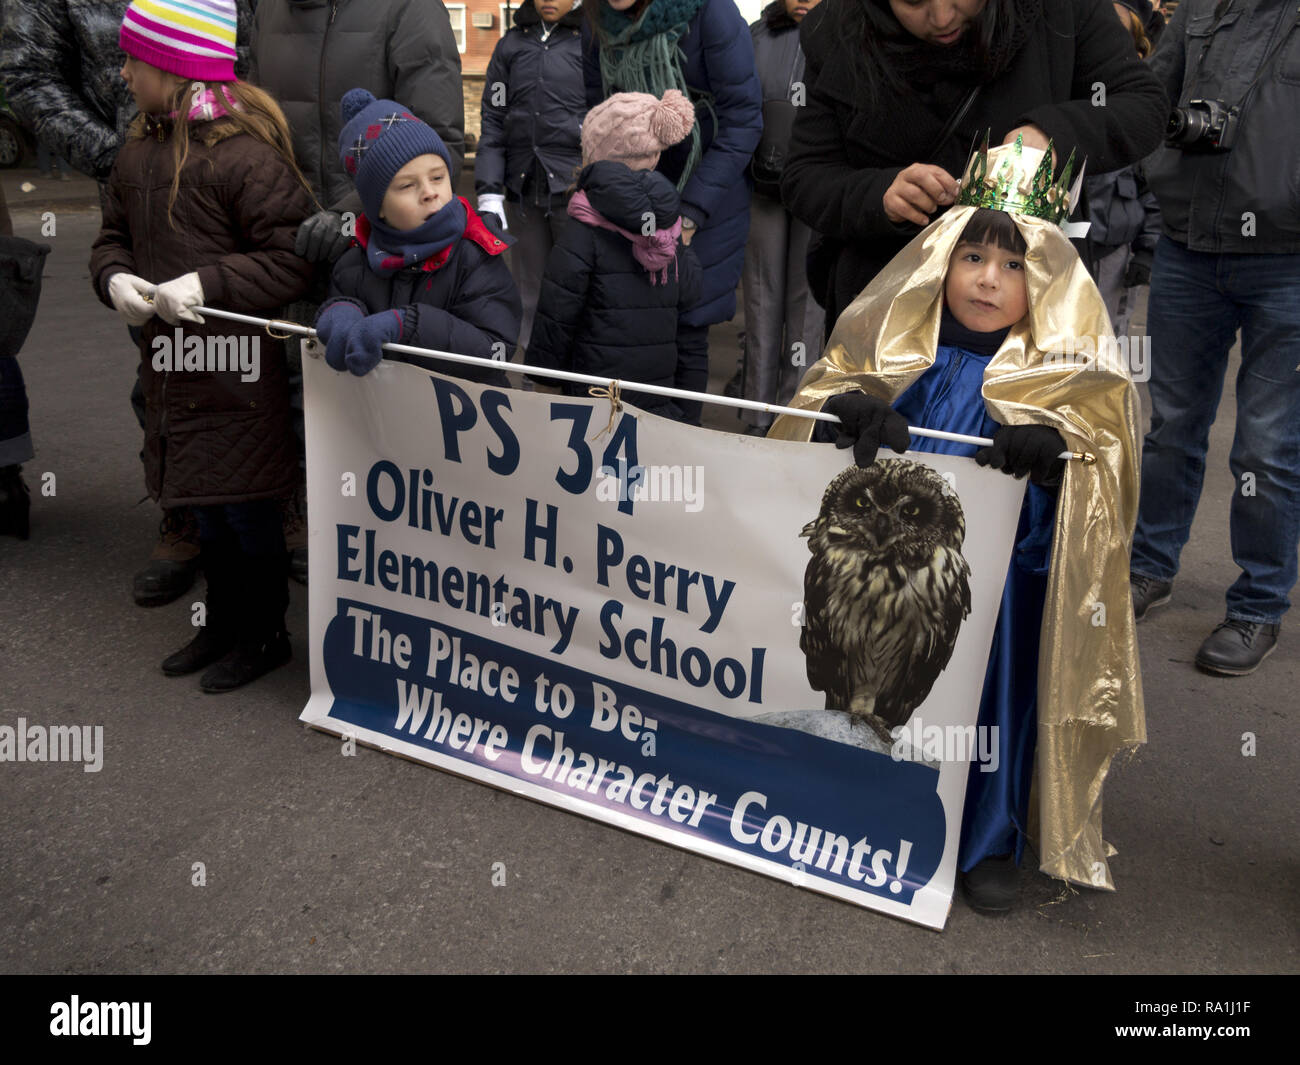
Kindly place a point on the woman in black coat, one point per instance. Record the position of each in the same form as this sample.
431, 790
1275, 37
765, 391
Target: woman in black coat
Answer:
898, 92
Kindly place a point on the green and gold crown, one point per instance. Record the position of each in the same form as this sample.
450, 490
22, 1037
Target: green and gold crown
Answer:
1002, 181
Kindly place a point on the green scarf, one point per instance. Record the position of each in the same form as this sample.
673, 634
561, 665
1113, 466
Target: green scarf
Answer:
643, 56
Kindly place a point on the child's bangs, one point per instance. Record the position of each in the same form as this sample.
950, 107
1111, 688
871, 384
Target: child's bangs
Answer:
997, 228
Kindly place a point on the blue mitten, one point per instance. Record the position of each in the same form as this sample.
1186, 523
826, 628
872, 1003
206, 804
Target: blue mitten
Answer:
332, 325
364, 340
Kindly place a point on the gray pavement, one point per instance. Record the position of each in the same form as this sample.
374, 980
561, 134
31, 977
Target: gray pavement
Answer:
321, 863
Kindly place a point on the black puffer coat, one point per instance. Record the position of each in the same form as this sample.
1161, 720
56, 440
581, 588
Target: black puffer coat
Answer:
59, 66
598, 312
533, 105
846, 151
468, 304
308, 53
210, 437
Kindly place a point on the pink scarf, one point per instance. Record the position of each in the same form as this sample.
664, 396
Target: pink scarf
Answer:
654, 252
204, 107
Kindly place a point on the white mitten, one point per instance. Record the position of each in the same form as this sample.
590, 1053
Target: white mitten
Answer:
173, 299
496, 203
128, 293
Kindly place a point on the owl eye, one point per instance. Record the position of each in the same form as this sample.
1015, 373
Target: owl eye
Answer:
912, 510
859, 502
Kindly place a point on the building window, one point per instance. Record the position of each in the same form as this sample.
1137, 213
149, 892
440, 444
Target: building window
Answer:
457, 15
507, 17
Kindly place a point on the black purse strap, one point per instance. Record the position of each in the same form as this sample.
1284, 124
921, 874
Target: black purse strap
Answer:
954, 120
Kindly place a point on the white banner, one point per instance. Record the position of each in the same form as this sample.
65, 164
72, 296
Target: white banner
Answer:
646, 622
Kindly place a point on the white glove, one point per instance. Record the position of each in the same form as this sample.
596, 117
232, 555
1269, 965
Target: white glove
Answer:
496, 203
173, 299
128, 292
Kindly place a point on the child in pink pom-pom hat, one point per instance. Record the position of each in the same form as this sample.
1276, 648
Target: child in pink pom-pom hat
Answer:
617, 279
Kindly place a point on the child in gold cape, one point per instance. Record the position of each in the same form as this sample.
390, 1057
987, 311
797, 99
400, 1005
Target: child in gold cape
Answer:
933, 338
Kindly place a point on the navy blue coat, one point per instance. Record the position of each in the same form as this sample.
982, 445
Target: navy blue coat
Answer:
539, 120
719, 60
598, 312
468, 304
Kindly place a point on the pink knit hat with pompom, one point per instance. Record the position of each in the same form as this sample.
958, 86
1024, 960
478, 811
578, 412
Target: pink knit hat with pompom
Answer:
634, 127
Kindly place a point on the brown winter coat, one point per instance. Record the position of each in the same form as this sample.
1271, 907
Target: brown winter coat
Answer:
209, 436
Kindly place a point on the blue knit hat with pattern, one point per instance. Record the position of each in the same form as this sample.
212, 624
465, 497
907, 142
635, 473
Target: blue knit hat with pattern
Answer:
380, 137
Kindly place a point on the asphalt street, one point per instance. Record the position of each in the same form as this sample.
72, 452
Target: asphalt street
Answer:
315, 862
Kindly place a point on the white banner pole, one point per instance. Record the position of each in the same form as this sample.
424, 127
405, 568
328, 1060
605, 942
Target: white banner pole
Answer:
609, 383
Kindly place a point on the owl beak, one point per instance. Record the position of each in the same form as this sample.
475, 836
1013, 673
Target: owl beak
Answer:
880, 530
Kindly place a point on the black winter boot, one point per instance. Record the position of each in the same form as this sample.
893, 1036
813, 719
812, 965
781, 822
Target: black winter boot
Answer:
15, 503
174, 563
216, 638
261, 641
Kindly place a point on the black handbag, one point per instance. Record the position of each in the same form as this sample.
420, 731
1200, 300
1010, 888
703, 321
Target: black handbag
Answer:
773, 149
21, 265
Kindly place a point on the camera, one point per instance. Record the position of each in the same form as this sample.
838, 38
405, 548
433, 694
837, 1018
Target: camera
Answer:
1203, 126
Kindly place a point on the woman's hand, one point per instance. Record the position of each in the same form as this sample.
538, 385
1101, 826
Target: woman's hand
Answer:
1033, 137
917, 192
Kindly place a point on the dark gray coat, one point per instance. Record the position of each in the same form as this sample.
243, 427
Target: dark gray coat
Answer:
1204, 199
60, 68
308, 53
779, 62
533, 105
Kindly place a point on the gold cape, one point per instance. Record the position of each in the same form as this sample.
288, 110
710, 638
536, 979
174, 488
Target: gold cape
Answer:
1089, 686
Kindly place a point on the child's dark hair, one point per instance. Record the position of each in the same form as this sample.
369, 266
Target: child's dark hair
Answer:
997, 228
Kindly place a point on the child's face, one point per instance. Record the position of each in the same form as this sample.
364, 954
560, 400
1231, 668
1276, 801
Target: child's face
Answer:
152, 88
985, 289
420, 189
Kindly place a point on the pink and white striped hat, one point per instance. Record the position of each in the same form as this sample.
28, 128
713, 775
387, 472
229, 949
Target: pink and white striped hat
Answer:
189, 38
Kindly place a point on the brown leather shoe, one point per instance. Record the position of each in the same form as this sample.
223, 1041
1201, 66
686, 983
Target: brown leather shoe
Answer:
174, 563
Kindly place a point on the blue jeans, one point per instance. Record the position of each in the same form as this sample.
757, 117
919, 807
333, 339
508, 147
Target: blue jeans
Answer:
1198, 301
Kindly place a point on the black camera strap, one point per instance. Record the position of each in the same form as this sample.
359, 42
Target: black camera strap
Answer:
1268, 56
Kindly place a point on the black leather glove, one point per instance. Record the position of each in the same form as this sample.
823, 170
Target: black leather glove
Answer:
320, 238
1138, 272
865, 423
1026, 449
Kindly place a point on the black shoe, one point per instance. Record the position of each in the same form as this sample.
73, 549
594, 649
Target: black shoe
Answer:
15, 503
1237, 647
248, 661
993, 886
210, 645
1148, 593
174, 563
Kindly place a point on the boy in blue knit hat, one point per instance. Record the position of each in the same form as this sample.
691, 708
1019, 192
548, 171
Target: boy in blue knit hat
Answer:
425, 269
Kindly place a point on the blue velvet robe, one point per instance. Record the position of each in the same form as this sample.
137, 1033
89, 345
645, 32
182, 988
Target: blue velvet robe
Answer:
947, 396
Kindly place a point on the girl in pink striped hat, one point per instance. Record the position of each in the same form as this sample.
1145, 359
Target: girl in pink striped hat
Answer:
200, 210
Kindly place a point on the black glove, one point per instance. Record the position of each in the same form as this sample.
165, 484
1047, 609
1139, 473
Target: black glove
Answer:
1138, 272
865, 423
320, 239
1026, 449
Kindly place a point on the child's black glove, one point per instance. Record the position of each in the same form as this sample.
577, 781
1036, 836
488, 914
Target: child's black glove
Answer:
1026, 449
865, 423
